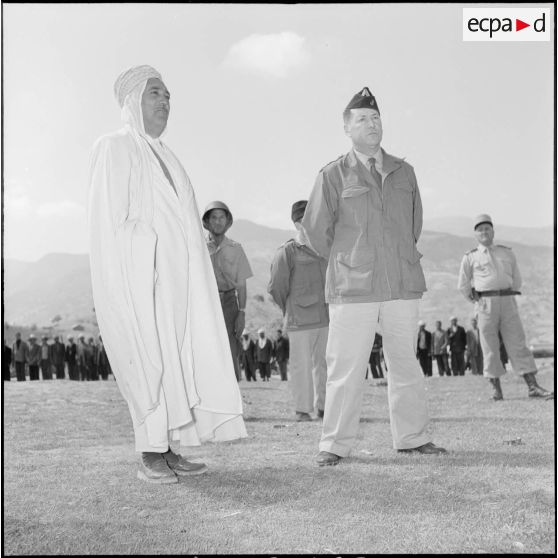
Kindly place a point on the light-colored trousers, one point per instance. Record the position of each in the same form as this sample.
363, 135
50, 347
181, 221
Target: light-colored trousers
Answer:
500, 313
351, 335
308, 368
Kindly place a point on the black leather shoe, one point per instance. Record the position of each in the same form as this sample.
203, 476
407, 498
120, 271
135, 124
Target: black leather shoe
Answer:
320, 413
181, 466
429, 448
153, 468
327, 458
303, 417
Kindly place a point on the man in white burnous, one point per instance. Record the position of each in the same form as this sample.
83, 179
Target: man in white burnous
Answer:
154, 290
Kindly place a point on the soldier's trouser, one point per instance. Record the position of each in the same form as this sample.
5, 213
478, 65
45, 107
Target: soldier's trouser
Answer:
229, 304
60, 373
352, 328
282, 369
425, 361
20, 371
33, 372
458, 363
46, 370
443, 366
499, 313
308, 368
73, 373
476, 363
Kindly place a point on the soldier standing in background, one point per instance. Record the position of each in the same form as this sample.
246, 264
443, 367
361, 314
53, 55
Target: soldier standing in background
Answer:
91, 359
70, 356
440, 349
81, 349
103, 364
424, 343
45, 359
20, 356
489, 277
57, 353
232, 269
264, 354
247, 356
34, 358
457, 341
297, 286
282, 352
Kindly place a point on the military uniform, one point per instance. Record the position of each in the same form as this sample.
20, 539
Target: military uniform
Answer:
364, 216
297, 282
231, 268
493, 273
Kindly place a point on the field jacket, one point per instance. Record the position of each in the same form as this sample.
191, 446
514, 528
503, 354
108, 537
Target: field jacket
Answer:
367, 232
297, 286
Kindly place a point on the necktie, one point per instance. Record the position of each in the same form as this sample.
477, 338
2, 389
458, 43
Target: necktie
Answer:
375, 174
164, 168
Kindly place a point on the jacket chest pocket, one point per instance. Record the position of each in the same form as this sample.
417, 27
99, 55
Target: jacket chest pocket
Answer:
306, 308
353, 273
354, 202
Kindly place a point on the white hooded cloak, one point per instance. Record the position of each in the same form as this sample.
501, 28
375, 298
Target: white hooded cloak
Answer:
154, 290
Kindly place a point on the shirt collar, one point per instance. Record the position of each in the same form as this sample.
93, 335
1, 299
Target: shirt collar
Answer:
483, 248
379, 156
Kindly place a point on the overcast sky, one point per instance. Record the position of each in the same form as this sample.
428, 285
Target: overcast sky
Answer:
257, 96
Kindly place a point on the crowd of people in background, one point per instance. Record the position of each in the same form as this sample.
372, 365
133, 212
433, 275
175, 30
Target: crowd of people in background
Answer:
454, 349
84, 360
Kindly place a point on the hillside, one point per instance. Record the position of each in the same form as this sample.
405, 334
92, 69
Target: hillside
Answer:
59, 284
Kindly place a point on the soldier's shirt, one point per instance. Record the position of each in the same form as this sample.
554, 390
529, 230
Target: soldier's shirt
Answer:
230, 263
489, 268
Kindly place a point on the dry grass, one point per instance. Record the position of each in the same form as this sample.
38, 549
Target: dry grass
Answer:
70, 484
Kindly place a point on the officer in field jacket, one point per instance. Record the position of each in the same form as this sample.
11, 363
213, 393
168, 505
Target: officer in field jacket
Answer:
365, 216
297, 286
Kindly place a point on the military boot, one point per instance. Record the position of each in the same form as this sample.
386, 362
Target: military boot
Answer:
534, 389
497, 394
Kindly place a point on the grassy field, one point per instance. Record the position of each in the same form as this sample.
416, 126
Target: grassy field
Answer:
70, 486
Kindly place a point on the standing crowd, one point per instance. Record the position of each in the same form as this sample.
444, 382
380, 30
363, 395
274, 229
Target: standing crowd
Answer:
85, 360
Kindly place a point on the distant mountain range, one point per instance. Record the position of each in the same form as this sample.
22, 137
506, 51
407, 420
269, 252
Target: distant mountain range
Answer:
462, 226
54, 293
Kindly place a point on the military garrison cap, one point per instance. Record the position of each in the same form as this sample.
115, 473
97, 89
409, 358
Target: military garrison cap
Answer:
297, 211
363, 99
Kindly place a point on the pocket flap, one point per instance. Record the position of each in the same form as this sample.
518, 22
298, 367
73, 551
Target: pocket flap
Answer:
308, 299
354, 190
355, 259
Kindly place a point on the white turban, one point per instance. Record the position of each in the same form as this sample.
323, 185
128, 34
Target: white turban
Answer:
130, 78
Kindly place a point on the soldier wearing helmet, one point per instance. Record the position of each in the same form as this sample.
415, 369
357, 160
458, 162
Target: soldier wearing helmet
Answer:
232, 269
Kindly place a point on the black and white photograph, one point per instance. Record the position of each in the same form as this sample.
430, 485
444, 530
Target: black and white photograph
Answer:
278, 278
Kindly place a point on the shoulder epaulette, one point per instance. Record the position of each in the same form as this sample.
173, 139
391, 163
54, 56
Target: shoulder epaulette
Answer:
471, 251
331, 162
502, 246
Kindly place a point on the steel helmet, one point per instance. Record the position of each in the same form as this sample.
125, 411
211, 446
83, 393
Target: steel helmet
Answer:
217, 205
